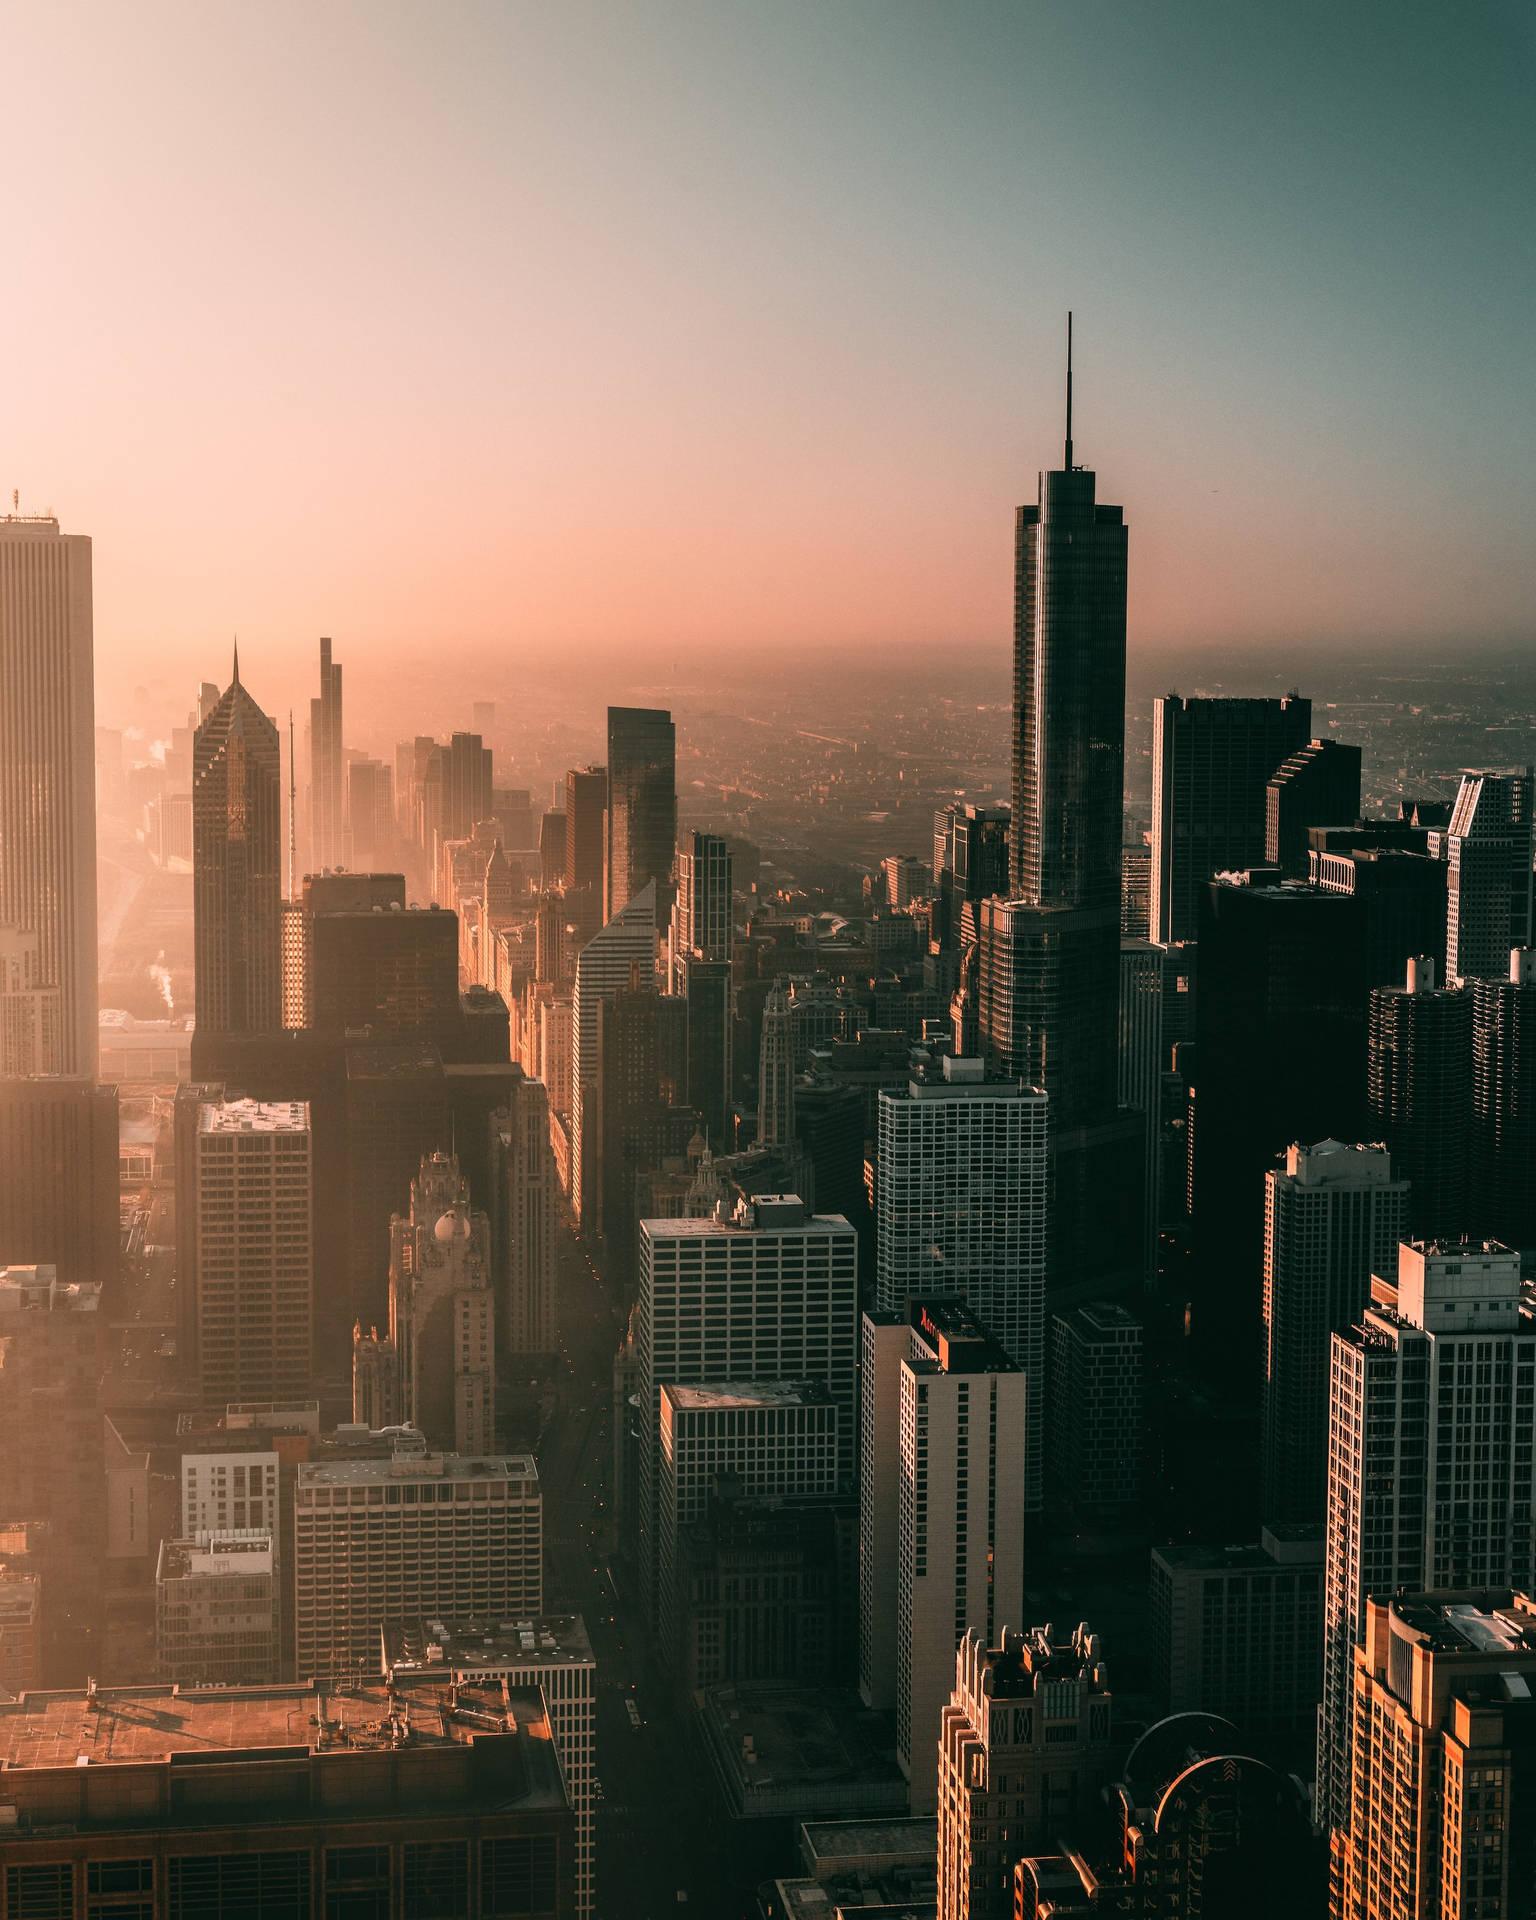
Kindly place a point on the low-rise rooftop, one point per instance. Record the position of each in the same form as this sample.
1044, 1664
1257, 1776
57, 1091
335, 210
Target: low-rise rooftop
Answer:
85, 1728
475, 1646
754, 1393
253, 1116
417, 1466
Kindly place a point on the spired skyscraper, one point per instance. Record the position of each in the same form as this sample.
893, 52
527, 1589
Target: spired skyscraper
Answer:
1050, 955
47, 800
237, 867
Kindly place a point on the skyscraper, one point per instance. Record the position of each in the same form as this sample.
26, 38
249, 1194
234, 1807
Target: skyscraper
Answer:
642, 807
1504, 1102
371, 814
1024, 1755
1430, 1475
48, 785
1317, 786
255, 1255
1333, 1216
586, 805
768, 1294
1212, 761
776, 1073
957, 1455
1280, 1030
237, 867
525, 1223
701, 912
1444, 1739
608, 961
1419, 1091
59, 1179
327, 840
1489, 849
961, 1211
1068, 774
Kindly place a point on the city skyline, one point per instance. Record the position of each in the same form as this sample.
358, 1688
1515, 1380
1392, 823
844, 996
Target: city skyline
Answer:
793, 273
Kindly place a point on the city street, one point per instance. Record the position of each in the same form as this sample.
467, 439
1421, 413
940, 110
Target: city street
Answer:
663, 1847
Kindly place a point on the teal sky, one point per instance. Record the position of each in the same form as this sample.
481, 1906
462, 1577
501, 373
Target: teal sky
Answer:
684, 326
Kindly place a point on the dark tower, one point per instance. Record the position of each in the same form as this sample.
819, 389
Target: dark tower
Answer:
326, 836
642, 806
1419, 1090
1068, 771
237, 867
1504, 1104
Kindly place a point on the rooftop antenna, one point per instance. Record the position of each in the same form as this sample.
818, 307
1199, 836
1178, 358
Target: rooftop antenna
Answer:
293, 797
1069, 390
236, 679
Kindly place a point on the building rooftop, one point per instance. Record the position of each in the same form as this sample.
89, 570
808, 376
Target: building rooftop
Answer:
253, 1116
118, 1724
750, 1393
959, 1341
470, 1646
36, 1289
795, 1750
692, 1229
417, 1466
868, 1839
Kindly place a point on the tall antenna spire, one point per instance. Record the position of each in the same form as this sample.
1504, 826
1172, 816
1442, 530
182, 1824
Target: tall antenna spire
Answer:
293, 800
235, 678
1069, 390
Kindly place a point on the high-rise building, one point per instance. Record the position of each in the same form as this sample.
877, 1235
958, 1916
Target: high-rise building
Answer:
1503, 1198
550, 1652
1419, 1092
1333, 1216
701, 911
1136, 891
961, 1211
586, 832
417, 1535
1212, 761
51, 1359
705, 985
437, 1369
59, 1179
971, 865
1490, 848
327, 833
1024, 1754
1157, 997
1401, 888
642, 808
1093, 1436
307, 1799
48, 794
230, 1491
371, 835
776, 1073
1430, 1474
1317, 786
216, 1611
624, 949
1235, 1630
1044, 1017
255, 1250
959, 1455
237, 868
1443, 1795
885, 1343
1280, 1032
773, 1439
525, 1224
767, 1294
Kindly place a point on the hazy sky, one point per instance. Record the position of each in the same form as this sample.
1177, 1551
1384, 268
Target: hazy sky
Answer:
557, 327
